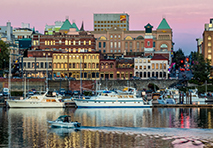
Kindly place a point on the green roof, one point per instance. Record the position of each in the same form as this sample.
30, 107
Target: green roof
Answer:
164, 25
66, 25
75, 26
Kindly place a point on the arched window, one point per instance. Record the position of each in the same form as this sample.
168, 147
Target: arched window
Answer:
209, 37
66, 42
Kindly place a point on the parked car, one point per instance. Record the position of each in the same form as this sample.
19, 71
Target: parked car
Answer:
62, 91
71, 78
135, 78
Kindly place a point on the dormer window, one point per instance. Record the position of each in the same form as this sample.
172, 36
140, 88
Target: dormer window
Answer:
148, 43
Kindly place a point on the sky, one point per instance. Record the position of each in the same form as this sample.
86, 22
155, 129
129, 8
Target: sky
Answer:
185, 17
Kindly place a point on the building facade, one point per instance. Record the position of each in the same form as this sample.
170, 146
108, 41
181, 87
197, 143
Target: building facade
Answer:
106, 21
84, 65
147, 67
205, 45
81, 42
116, 42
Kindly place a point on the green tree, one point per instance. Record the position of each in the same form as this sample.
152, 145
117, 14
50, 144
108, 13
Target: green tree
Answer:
200, 67
178, 56
4, 55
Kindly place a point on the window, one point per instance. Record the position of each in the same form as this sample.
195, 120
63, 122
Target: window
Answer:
137, 45
59, 41
42, 65
99, 44
50, 65
104, 44
136, 60
28, 64
148, 61
209, 57
209, 50
148, 43
115, 37
148, 67
209, 37
111, 50
160, 66
73, 42
156, 65
79, 42
144, 67
73, 65
69, 42
115, 44
153, 66
140, 67
119, 44
111, 44
119, 36
97, 65
89, 65
144, 61
209, 44
97, 57
66, 42
130, 45
126, 45
89, 42
164, 66
84, 42
136, 67
85, 65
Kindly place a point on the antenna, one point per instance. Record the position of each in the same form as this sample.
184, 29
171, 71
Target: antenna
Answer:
67, 17
163, 16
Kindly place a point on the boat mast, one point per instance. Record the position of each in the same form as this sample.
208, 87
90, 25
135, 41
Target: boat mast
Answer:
46, 73
80, 77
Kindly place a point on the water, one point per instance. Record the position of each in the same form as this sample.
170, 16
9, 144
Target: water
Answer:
124, 128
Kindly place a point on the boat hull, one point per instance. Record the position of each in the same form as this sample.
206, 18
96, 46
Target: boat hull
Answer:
81, 103
29, 104
64, 124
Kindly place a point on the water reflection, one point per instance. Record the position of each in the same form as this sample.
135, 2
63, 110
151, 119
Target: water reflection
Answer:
157, 127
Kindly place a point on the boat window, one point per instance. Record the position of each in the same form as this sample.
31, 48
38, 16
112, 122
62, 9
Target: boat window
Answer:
119, 96
130, 96
134, 102
138, 102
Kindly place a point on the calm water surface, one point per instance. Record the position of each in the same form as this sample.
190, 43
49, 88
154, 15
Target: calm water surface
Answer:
124, 128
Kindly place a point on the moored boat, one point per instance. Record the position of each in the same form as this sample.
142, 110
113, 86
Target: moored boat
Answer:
111, 99
37, 101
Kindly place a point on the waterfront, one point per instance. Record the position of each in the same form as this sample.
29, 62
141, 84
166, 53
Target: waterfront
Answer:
147, 127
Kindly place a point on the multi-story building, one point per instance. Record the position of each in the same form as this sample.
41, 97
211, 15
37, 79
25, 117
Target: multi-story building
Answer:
20, 33
199, 45
6, 32
36, 67
117, 42
71, 42
116, 68
147, 67
207, 44
78, 65
106, 21
108, 68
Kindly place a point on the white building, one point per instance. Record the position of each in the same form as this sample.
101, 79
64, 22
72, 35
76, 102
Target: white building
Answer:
149, 67
6, 32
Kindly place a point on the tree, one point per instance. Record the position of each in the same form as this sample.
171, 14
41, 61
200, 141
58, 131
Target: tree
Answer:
4, 55
178, 58
200, 67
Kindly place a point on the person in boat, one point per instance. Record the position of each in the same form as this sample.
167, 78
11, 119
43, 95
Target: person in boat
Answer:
66, 119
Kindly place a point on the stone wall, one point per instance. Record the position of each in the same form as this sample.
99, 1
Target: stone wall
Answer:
39, 84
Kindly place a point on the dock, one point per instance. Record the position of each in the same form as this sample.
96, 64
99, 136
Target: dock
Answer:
181, 105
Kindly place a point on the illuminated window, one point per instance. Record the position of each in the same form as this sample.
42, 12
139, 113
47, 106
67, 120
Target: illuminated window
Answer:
153, 66
53, 42
90, 49
59, 41
136, 60
160, 66
79, 42
144, 61
84, 42
209, 57
140, 67
93, 57
111, 44
136, 67
209, 37
97, 57
148, 61
45, 43
69, 42
209, 50
157, 66
115, 44
73, 42
209, 44
115, 37
89, 57
89, 42
144, 67
164, 66
66, 42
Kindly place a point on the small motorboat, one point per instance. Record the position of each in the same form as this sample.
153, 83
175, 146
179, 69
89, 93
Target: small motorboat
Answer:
64, 122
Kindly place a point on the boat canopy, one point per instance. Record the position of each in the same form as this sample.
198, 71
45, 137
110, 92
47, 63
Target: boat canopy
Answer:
106, 91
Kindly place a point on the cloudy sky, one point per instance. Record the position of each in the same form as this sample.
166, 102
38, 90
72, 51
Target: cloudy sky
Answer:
185, 17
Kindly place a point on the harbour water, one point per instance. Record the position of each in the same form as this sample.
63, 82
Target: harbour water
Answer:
124, 128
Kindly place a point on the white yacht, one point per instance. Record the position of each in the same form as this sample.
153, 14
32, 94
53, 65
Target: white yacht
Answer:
110, 99
37, 101
195, 97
